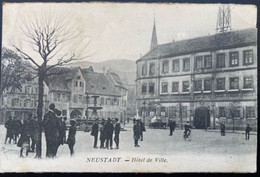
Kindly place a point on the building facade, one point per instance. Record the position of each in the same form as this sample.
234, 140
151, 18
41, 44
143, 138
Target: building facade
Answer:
205, 80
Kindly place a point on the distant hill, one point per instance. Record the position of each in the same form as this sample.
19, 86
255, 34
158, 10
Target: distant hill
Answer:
125, 68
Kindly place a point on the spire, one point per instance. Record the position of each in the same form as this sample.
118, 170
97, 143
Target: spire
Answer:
154, 37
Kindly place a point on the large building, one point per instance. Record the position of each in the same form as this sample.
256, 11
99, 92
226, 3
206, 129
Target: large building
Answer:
205, 80
72, 91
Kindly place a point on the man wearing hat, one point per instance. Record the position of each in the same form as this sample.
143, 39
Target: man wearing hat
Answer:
51, 125
102, 136
94, 132
109, 128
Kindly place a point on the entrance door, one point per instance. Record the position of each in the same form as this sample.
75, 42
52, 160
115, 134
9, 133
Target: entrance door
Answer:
202, 118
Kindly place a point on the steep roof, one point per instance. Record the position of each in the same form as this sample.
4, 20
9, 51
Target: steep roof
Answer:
115, 79
58, 81
97, 83
206, 43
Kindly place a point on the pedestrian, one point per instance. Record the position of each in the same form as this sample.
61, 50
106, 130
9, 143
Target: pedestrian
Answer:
72, 137
24, 140
109, 128
137, 132
248, 129
51, 125
117, 131
94, 132
63, 131
172, 125
9, 129
142, 130
222, 129
102, 136
32, 131
17, 124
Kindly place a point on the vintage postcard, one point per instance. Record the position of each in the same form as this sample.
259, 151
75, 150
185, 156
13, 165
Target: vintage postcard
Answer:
128, 87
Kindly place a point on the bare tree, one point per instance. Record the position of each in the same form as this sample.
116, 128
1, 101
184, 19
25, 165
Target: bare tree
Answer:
50, 40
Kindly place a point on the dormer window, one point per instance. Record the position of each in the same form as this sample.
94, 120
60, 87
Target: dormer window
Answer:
78, 77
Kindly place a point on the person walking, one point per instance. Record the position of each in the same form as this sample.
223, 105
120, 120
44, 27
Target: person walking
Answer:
51, 125
248, 129
24, 140
117, 131
137, 132
94, 132
172, 125
109, 128
9, 129
222, 129
17, 124
72, 136
102, 136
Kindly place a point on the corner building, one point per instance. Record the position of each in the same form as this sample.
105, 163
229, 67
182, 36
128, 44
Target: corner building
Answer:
205, 80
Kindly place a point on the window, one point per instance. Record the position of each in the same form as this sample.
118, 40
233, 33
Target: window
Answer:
185, 86
198, 85
186, 64
80, 99
207, 84
233, 59
220, 84
199, 62
15, 102
234, 83
248, 82
78, 77
81, 84
235, 112
32, 104
76, 83
152, 69
164, 87
221, 112
28, 89
102, 101
250, 111
144, 70
151, 88
221, 60
208, 61
248, 57
175, 87
75, 99
144, 89
176, 65
165, 66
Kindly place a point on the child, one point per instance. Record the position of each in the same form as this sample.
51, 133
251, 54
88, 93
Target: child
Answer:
24, 141
71, 137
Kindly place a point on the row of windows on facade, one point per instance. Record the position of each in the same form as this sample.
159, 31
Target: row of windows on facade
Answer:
237, 111
100, 113
28, 103
220, 85
26, 90
202, 62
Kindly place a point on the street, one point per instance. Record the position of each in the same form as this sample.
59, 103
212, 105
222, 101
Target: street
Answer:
207, 151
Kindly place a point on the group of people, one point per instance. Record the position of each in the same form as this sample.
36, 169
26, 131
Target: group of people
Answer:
106, 129
25, 132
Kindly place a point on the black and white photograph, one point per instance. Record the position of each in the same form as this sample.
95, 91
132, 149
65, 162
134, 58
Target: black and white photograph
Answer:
128, 87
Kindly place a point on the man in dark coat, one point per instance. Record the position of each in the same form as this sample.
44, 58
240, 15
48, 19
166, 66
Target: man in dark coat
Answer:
222, 129
94, 132
32, 131
172, 125
51, 126
24, 140
117, 131
109, 128
17, 124
102, 136
9, 129
248, 129
137, 132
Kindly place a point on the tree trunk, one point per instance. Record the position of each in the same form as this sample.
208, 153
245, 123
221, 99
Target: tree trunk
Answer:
39, 115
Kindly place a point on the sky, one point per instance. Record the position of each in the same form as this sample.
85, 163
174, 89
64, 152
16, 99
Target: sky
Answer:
123, 30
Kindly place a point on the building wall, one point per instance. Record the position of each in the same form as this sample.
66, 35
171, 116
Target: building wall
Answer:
212, 99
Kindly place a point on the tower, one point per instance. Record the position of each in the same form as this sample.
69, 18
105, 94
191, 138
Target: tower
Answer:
224, 19
154, 37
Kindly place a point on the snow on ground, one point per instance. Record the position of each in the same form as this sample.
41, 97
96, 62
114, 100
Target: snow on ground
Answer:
159, 152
